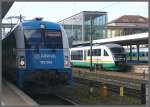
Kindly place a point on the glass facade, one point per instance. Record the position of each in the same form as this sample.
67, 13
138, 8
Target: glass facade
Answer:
74, 31
79, 26
95, 25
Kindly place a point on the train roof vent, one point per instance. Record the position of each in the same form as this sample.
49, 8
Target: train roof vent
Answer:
38, 18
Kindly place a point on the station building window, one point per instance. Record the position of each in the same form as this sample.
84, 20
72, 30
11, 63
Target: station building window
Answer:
98, 27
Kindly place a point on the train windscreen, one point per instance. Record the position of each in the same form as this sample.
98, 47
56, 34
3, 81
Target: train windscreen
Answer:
51, 39
117, 50
33, 38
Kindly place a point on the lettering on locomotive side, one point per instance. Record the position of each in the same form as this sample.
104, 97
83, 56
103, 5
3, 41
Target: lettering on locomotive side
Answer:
46, 62
48, 56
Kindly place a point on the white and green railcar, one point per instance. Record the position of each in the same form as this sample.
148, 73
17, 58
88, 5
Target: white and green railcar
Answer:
107, 56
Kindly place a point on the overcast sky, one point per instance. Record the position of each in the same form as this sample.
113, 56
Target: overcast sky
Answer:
56, 11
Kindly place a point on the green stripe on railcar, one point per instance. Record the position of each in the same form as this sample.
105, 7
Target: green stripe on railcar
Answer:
107, 66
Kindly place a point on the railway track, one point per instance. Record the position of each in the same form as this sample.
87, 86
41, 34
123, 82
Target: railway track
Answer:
132, 75
113, 80
68, 100
112, 88
126, 79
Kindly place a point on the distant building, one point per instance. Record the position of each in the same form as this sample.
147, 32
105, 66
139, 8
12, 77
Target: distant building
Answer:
126, 25
79, 26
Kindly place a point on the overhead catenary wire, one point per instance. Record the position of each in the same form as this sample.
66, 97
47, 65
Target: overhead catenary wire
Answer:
116, 3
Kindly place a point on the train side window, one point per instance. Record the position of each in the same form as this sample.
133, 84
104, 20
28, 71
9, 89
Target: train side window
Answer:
77, 55
85, 54
105, 53
129, 54
89, 53
94, 52
80, 55
99, 52
143, 54
133, 54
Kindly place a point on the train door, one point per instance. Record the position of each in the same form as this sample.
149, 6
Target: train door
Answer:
99, 57
105, 56
95, 56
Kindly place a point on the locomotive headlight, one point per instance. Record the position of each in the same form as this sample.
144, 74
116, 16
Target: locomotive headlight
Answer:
22, 61
66, 61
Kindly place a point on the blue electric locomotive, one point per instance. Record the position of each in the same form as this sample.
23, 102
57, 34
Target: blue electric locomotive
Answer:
36, 46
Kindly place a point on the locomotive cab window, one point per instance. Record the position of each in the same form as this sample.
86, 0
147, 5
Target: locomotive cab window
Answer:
53, 39
32, 38
35, 38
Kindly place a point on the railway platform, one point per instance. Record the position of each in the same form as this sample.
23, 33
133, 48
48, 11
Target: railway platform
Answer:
12, 96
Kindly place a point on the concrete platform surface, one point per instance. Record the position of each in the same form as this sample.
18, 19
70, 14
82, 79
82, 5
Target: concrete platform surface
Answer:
13, 96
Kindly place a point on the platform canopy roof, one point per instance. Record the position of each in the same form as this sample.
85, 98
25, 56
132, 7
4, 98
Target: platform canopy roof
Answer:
141, 38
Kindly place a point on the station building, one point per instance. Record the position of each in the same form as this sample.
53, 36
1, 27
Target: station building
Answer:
79, 26
127, 25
